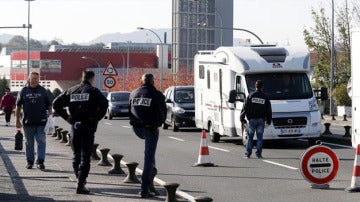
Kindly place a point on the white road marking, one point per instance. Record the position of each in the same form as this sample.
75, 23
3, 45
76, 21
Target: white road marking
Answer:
107, 123
176, 138
126, 126
225, 150
279, 164
179, 192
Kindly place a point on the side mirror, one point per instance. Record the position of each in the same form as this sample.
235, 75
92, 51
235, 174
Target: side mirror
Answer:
232, 96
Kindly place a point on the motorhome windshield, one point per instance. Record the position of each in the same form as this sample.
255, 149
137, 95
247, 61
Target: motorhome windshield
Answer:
282, 86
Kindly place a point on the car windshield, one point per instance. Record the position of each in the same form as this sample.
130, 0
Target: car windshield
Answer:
184, 96
282, 86
120, 97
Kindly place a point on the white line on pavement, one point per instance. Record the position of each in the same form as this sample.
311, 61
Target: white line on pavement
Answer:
176, 139
279, 164
225, 150
107, 123
126, 126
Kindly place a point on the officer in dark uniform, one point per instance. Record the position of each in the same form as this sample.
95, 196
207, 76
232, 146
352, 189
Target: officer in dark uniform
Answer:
87, 106
257, 110
147, 113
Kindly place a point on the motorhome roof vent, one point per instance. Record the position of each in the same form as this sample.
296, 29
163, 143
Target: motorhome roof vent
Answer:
271, 54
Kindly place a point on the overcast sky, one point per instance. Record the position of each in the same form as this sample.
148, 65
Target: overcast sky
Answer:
79, 21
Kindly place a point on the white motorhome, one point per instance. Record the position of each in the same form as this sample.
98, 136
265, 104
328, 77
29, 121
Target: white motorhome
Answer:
355, 87
225, 76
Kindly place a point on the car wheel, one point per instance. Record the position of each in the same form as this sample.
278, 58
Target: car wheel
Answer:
244, 135
175, 128
214, 137
165, 126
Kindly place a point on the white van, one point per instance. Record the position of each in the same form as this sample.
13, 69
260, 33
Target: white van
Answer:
224, 77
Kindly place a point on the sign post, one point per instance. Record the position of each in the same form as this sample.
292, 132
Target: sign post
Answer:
319, 165
109, 71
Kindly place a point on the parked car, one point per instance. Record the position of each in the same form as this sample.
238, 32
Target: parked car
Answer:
180, 104
118, 104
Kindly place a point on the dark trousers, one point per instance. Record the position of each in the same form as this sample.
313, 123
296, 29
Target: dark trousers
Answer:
151, 137
82, 141
7, 115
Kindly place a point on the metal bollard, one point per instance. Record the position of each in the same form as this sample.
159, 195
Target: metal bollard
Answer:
116, 169
152, 187
327, 128
131, 176
52, 134
58, 130
63, 136
58, 135
347, 131
344, 117
68, 139
104, 160
171, 191
203, 199
94, 155
333, 117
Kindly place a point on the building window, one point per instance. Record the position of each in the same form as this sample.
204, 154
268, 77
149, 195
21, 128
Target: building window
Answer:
50, 65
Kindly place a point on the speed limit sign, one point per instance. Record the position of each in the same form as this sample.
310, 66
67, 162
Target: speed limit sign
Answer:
109, 82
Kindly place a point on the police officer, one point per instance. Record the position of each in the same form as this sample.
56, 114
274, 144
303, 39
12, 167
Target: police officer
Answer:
257, 110
87, 106
147, 113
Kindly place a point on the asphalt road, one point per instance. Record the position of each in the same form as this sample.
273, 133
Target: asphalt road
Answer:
274, 178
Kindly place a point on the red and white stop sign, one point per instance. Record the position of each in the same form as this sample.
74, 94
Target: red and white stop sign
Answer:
319, 164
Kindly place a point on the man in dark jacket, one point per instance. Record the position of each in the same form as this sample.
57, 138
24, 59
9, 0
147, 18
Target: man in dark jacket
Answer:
257, 110
87, 106
147, 113
33, 100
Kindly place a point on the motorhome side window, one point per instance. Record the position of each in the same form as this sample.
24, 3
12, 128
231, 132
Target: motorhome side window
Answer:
201, 72
239, 87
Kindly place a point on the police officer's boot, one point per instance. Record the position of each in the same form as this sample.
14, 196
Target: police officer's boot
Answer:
81, 189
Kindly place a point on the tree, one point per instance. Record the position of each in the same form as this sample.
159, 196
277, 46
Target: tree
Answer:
3, 84
17, 42
318, 40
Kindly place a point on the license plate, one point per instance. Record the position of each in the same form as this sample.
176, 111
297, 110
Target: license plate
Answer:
124, 110
290, 131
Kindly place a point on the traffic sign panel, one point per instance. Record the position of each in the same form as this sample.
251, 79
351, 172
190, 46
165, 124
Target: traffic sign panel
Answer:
319, 164
110, 70
109, 82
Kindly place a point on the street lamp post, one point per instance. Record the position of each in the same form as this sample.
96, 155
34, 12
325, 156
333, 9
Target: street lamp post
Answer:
162, 54
28, 40
90, 58
332, 57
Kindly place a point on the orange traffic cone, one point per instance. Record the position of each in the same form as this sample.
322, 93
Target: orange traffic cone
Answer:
355, 179
204, 159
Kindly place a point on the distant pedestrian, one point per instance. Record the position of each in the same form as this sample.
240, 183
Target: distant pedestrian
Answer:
147, 113
34, 100
87, 106
7, 105
257, 109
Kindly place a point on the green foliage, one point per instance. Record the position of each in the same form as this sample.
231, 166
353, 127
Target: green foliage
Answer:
319, 41
341, 96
